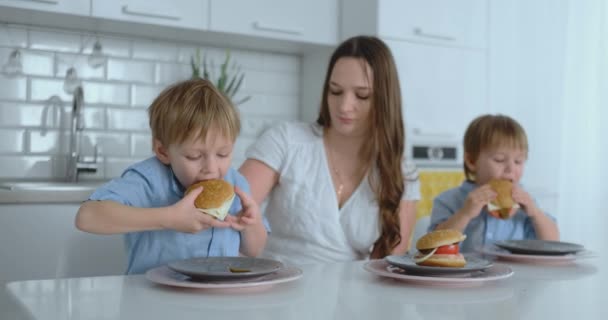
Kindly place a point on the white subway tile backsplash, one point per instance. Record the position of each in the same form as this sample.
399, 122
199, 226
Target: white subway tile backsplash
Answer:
276, 107
128, 119
141, 145
13, 88
37, 63
114, 167
117, 95
254, 82
143, 95
253, 127
158, 51
247, 59
22, 166
108, 144
32, 62
184, 53
93, 117
11, 141
281, 83
20, 114
168, 73
65, 61
52, 141
106, 93
54, 41
111, 47
43, 89
13, 37
281, 62
132, 71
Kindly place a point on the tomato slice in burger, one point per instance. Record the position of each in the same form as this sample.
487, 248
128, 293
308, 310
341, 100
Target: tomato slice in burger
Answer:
449, 249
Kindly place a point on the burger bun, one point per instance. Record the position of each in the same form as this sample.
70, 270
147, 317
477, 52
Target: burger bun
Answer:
215, 199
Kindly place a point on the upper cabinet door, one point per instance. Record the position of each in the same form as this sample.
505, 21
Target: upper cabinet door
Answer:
442, 88
76, 7
460, 23
312, 21
190, 14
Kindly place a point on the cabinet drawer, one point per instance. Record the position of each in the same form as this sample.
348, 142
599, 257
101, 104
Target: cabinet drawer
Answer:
443, 88
178, 13
309, 21
76, 7
461, 23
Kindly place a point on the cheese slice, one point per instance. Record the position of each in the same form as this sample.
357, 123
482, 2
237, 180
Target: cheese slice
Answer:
221, 212
421, 259
493, 207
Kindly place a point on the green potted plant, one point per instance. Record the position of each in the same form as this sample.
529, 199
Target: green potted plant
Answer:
229, 80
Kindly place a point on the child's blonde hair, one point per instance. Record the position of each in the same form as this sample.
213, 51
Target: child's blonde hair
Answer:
492, 131
191, 108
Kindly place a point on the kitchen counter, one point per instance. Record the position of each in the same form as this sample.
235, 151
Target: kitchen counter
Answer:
46, 191
331, 291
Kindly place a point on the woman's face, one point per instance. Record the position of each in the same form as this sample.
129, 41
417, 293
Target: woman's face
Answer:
349, 96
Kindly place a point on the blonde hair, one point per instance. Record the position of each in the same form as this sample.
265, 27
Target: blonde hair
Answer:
190, 108
492, 131
385, 144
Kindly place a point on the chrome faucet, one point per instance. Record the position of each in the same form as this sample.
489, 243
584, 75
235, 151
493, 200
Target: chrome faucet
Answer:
76, 164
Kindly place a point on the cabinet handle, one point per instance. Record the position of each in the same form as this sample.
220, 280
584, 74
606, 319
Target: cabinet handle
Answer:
264, 27
419, 32
131, 12
42, 1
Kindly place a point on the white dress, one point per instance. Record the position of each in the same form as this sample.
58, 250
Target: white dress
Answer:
307, 225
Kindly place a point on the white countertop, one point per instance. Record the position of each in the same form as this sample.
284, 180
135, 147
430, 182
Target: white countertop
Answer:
19, 192
331, 291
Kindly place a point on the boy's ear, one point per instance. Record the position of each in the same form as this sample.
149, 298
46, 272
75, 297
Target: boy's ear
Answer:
160, 151
469, 161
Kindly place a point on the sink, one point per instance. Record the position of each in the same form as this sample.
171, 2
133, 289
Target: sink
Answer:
50, 185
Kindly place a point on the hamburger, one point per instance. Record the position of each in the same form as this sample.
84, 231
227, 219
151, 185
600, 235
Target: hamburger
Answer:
215, 199
503, 205
440, 248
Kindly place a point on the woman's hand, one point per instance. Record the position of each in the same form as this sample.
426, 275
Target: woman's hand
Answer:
249, 215
183, 216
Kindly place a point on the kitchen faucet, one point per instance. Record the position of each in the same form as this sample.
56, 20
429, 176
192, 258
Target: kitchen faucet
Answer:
75, 163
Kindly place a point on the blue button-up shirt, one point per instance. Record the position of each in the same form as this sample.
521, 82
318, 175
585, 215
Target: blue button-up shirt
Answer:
483, 229
152, 184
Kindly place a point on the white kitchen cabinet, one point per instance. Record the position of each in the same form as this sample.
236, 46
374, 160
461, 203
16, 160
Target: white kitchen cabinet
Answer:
459, 23
40, 241
75, 7
440, 51
442, 88
313, 21
191, 14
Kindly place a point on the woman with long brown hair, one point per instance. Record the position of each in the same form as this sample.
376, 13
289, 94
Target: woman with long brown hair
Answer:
340, 189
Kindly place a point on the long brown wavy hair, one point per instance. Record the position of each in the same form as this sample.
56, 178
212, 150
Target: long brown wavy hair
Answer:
384, 148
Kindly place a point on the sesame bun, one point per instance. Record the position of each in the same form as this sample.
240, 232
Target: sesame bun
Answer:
215, 199
438, 238
503, 205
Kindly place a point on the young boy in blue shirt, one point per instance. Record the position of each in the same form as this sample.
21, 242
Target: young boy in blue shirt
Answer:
194, 128
495, 147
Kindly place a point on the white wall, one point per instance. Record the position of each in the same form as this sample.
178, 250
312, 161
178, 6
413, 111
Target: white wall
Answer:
116, 96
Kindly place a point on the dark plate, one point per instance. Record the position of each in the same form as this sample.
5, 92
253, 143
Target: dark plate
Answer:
225, 268
540, 247
407, 263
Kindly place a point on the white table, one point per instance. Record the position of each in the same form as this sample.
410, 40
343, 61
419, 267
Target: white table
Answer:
332, 291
